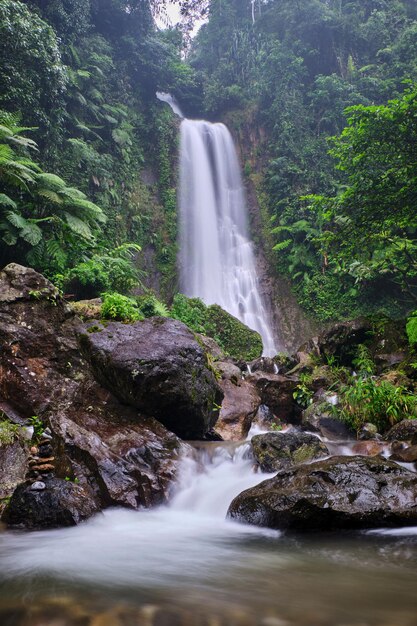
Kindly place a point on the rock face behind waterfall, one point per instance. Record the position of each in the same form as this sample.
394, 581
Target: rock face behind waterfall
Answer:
340, 492
158, 367
113, 453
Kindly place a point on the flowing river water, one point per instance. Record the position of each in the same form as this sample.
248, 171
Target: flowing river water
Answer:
185, 563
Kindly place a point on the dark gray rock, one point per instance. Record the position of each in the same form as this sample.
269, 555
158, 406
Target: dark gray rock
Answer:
340, 492
320, 417
342, 339
158, 367
118, 455
276, 451
13, 460
405, 430
60, 503
277, 393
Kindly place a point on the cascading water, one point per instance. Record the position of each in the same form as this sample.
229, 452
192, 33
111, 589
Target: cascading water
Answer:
185, 564
217, 262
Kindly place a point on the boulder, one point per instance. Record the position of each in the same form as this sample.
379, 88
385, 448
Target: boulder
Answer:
406, 455
340, 492
341, 340
13, 460
118, 455
319, 417
405, 430
52, 503
158, 367
129, 459
276, 451
229, 371
240, 405
277, 393
237, 339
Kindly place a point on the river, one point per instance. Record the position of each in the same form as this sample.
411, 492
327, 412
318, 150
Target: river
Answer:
187, 564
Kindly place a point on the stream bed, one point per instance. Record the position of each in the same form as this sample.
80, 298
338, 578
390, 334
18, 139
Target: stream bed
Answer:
186, 564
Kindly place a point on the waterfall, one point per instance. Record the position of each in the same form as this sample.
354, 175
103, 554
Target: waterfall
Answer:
217, 262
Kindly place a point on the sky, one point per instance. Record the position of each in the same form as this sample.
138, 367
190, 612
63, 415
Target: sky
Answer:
173, 13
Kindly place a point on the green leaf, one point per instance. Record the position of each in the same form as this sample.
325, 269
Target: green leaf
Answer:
78, 226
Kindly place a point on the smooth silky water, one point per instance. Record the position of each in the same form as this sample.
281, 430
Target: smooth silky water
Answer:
189, 562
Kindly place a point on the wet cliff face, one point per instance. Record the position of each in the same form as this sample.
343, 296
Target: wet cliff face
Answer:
291, 324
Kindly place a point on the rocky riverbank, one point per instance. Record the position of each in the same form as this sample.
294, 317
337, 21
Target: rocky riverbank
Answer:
97, 414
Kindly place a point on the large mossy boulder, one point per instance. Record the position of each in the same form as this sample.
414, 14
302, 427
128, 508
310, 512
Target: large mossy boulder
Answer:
239, 341
340, 492
158, 367
276, 451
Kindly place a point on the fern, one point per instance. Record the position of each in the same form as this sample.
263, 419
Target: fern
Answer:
51, 195
51, 180
6, 201
78, 226
283, 245
16, 219
31, 233
55, 251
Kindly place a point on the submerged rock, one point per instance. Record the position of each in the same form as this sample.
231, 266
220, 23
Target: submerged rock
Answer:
158, 367
340, 492
276, 451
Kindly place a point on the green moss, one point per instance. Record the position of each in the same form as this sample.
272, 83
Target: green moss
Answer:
232, 335
237, 339
8, 433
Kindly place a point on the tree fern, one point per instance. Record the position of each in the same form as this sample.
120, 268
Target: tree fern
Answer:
31, 233
283, 245
55, 251
50, 181
6, 201
78, 226
16, 219
50, 195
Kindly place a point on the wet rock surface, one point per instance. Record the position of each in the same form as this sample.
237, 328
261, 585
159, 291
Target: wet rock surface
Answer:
406, 430
276, 451
318, 417
240, 405
158, 367
340, 492
277, 393
13, 459
52, 503
118, 455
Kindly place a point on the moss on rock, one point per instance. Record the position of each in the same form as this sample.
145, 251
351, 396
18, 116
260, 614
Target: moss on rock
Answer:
237, 339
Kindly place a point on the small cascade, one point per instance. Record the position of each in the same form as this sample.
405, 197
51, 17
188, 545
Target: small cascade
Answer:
209, 482
217, 262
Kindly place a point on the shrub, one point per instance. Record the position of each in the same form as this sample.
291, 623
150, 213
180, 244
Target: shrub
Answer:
376, 401
121, 308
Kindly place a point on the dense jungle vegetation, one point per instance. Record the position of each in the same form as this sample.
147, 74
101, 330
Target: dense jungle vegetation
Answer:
320, 93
